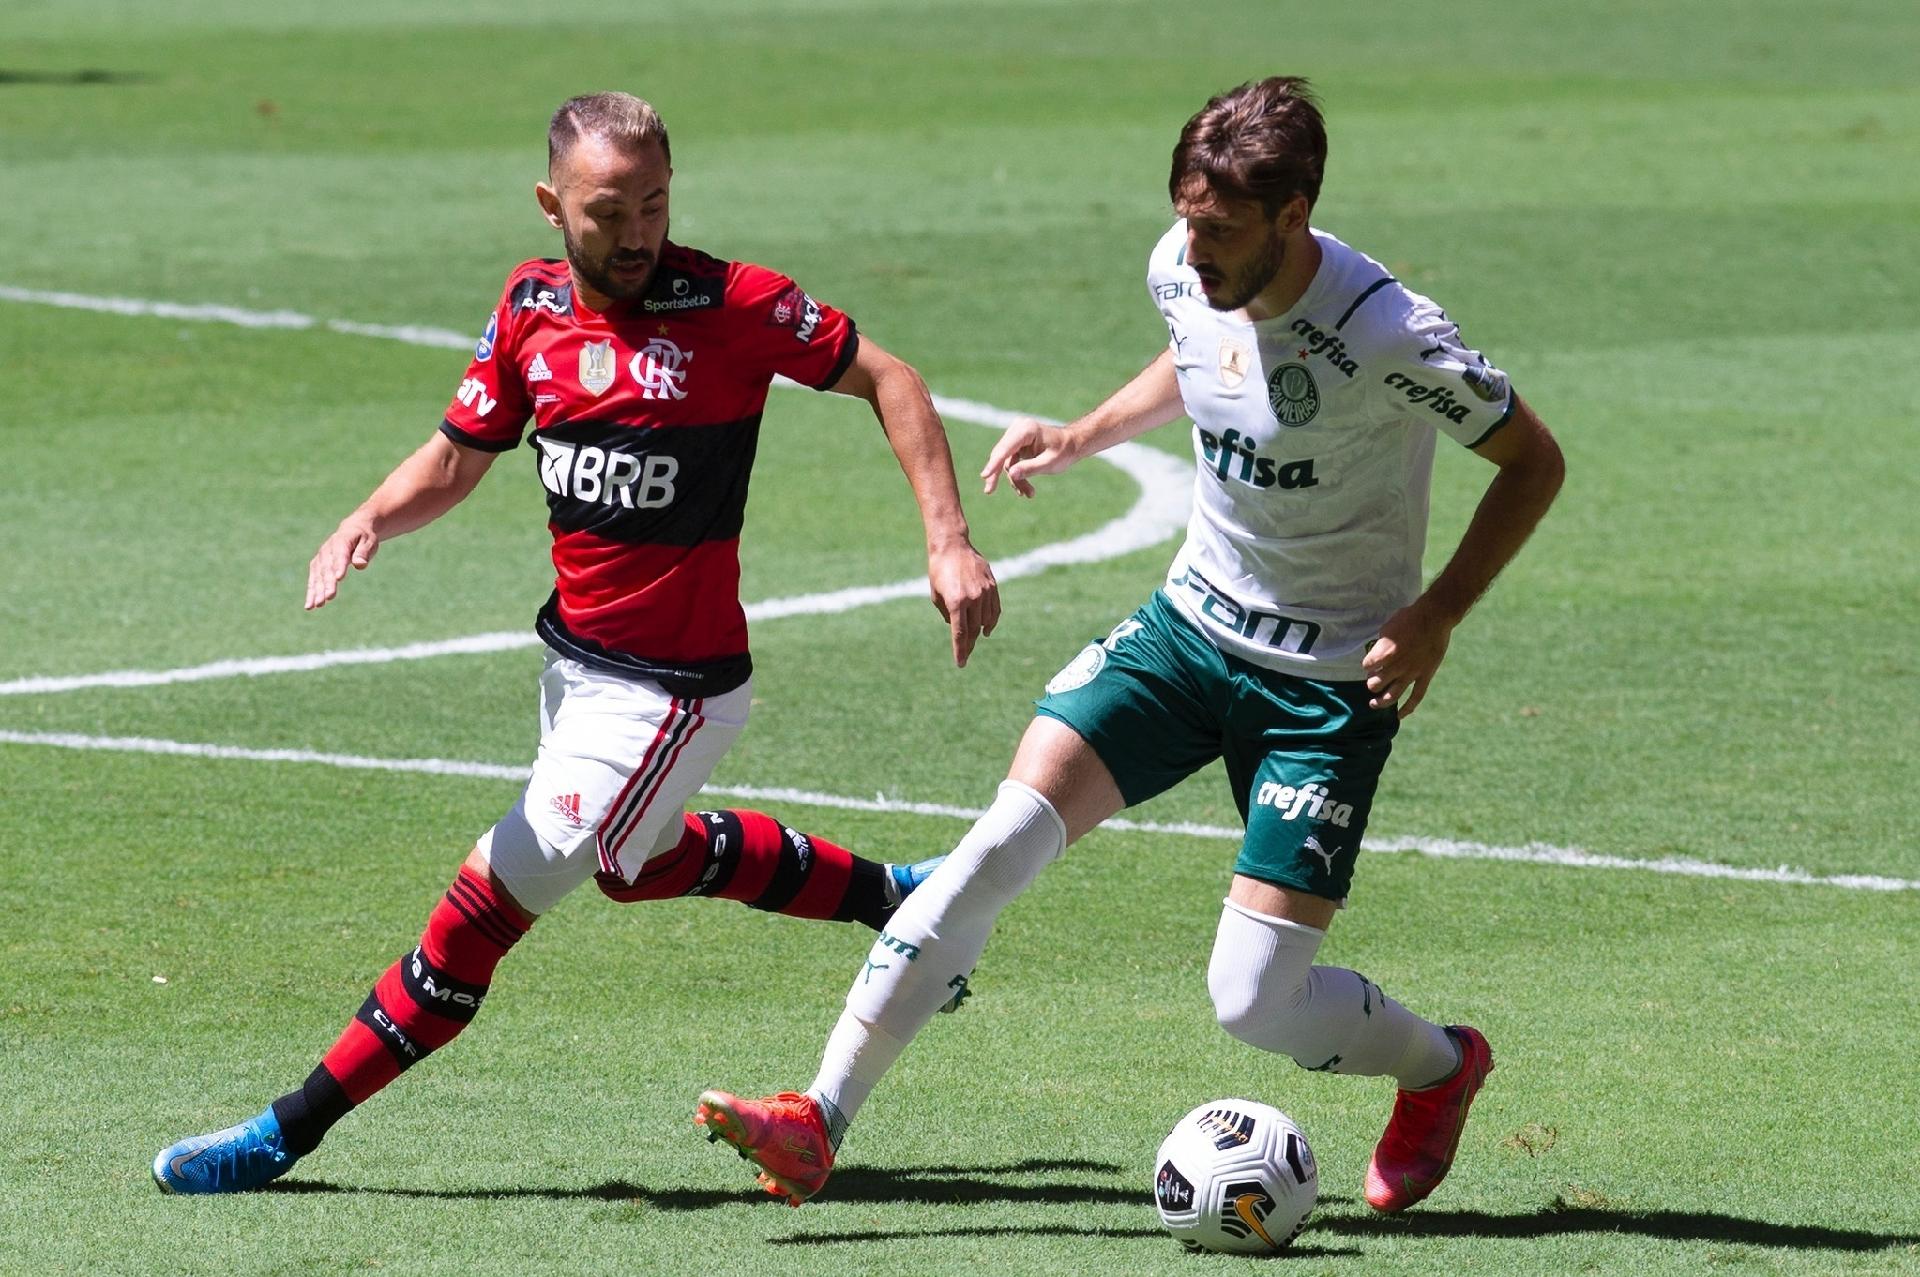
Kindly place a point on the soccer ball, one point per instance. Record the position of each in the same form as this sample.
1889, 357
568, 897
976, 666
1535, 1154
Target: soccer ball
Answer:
1235, 1176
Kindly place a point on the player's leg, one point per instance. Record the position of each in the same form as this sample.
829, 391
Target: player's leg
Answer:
1307, 807
422, 1002
921, 960
596, 733
1268, 993
751, 857
1125, 720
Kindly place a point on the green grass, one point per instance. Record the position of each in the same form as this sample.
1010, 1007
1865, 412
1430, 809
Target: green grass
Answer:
1684, 230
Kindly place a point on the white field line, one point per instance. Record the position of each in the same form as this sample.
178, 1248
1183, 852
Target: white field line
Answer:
1441, 848
1159, 512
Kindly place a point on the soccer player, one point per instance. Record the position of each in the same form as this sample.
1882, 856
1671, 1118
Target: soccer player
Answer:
1289, 637
644, 367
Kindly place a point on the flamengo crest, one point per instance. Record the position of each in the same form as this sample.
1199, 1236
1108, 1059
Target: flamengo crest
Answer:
658, 370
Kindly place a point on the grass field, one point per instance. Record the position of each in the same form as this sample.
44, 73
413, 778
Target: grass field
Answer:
1686, 231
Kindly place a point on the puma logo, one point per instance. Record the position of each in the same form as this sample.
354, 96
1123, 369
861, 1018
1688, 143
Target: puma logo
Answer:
1313, 845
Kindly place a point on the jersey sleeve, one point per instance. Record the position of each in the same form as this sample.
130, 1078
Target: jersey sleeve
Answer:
1170, 279
788, 333
490, 408
1432, 375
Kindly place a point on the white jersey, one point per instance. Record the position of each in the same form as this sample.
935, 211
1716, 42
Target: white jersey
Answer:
1314, 432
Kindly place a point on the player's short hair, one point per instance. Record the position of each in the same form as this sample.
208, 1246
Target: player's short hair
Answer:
620, 118
1263, 141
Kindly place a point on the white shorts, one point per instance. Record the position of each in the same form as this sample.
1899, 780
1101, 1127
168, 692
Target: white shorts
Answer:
619, 759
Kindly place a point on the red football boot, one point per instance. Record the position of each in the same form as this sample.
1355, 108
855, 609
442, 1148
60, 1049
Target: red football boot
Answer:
1416, 1151
784, 1133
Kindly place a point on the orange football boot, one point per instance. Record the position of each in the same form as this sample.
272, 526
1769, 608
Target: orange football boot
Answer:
1416, 1150
784, 1133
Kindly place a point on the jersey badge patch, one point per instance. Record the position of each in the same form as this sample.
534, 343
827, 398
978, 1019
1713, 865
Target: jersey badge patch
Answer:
484, 351
1235, 359
596, 366
795, 310
1079, 671
1293, 395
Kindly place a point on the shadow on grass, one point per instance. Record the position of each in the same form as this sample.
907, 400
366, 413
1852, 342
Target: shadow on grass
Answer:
1040, 1230
953, 1185
83, 76
935, 1185
1560, 1219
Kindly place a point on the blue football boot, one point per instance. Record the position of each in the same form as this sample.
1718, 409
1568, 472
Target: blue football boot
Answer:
231, 1161
902, 879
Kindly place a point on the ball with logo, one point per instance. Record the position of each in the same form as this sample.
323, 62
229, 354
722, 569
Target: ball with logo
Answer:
1235, 1176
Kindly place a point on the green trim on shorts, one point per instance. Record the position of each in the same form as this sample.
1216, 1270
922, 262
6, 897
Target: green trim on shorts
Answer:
1157, 702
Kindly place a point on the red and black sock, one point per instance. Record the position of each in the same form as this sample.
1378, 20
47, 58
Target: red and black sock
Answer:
418, 1006
751, 857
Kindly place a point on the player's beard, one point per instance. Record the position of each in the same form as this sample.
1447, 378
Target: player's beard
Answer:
1252, 279
596, 274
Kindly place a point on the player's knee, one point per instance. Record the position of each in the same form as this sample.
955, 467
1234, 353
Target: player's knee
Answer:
527, 870
1261, 981
1020, 835
1264, 1008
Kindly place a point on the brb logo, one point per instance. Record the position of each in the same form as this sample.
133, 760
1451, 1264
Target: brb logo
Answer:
607, 476
659, 369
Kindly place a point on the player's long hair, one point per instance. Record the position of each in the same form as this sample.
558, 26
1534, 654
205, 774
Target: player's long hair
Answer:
1263, 141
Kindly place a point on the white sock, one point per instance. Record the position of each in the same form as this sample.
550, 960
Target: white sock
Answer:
931, 943
1268, 993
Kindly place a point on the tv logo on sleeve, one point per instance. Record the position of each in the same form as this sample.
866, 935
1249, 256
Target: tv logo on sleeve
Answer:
473, 393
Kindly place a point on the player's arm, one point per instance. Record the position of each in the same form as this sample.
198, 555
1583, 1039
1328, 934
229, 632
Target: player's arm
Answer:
1401, 663
425, 486
963, 587
1032, 446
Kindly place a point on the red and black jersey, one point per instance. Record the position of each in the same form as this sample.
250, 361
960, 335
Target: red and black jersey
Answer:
645, 419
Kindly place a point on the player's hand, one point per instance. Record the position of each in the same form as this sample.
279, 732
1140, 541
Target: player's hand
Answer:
966, 595
1027, 448
1401, 663
352, 544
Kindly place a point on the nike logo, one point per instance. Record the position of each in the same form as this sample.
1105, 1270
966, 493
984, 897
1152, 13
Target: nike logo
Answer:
1243, 1207
181, 1159
798, 1147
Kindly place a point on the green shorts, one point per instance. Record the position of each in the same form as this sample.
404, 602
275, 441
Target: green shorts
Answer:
1158, 701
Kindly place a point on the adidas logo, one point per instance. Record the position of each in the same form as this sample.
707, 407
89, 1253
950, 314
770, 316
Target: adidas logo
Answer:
538, 371
568, 805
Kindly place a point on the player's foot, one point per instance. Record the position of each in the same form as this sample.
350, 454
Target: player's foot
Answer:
230, 1161
902, 879
1416, 1152
784, 1133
